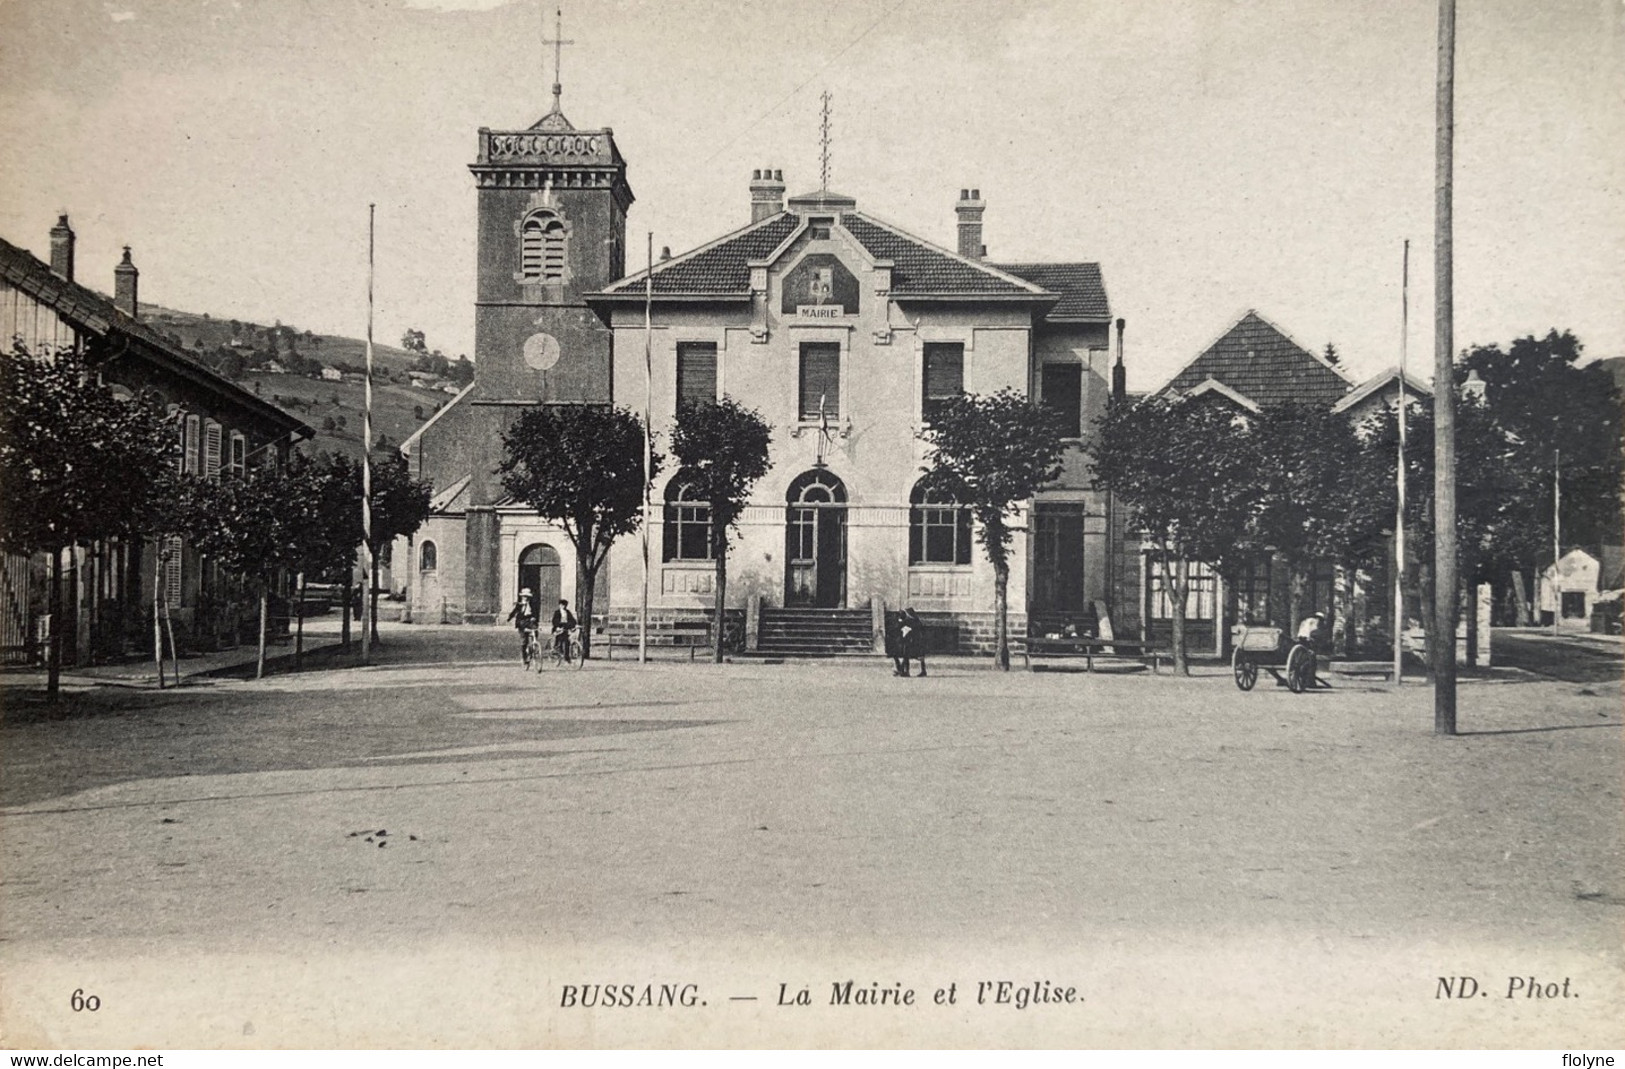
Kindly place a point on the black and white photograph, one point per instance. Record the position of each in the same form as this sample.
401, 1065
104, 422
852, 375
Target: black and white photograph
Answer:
884, 524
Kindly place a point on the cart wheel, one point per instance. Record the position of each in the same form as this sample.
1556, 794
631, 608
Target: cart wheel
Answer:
1298, 668
1245, 670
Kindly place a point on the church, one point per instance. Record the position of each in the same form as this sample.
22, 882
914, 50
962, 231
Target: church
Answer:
841, 329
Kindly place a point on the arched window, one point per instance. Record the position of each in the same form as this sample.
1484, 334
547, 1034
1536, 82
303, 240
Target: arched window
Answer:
426, 558
542, 248
938, 527
687, 527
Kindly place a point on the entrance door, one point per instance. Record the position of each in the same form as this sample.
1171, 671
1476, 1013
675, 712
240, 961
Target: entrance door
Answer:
1058, 560
539, 574
815, 541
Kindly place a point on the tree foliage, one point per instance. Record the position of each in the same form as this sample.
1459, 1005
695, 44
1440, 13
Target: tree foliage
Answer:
722, 448
77, 463
580, 466
1184, 470
992, 452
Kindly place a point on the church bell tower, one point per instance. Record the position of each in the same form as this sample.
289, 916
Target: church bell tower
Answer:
551, 226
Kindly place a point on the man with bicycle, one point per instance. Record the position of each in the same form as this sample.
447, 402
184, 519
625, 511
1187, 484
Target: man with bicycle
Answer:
564, 624
523, 615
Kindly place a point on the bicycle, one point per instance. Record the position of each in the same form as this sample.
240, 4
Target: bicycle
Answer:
565, 652
531, 650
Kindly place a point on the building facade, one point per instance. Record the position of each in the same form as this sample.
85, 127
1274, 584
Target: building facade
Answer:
221, 427
842, 330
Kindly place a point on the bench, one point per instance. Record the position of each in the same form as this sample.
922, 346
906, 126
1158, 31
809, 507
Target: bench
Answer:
1089, 649
692, 634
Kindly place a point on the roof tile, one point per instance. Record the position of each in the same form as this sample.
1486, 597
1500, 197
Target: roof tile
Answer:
1254, 358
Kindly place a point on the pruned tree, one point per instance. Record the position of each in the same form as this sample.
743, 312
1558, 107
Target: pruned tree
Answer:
1311, 497
580, 466
992, 453
399, 506
252, 524
1183, 470
722, 448
77, 463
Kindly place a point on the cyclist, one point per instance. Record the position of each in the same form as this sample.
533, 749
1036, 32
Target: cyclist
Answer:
1308, 637
564, 622
523, 615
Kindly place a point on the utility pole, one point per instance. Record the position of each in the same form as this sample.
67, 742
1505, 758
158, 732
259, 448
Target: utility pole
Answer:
648, 440
1445, 593
1399, 513
366, 462
1557, 537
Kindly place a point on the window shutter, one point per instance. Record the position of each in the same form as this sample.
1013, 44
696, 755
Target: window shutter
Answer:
553, 252
172, 573
820, 380
944, 374
211, 449
1062, 385
696, 372
530, 250
192, 426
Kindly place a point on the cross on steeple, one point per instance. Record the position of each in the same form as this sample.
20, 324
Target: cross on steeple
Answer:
558, 42
823, 150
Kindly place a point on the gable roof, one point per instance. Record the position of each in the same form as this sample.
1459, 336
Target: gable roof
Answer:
1379, 382
89, 312
721, 269
1083, 292
1256, 358
1212, 385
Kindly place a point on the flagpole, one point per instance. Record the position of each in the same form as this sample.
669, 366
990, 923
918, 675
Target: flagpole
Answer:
1399, 475
366, 461
648, 441
1557, 537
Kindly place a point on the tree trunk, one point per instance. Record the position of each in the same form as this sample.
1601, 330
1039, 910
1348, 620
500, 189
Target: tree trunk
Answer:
1001, 616
344, 634
299, 627
174, 650
1176, 581
372, 592
265, 612
53, 645
586, 580
157, 613
717, 626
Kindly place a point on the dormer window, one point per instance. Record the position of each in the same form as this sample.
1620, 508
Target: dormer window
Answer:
542, 240
818, 229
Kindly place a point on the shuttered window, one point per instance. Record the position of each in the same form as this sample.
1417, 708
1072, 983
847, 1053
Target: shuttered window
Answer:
542, 248
820, 380
172, 572
211, 449
193, 426
944, 376
1062, 386
696, 372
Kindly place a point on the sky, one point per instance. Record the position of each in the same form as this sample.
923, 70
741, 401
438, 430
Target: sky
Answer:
1213, 156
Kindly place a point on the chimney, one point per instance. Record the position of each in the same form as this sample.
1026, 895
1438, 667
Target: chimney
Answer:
62, 247
124, 279
1119, 373
969, 209
766, 193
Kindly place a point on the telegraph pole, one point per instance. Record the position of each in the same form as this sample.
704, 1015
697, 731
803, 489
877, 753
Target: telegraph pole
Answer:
648, 440
1445, 593
366, 463
1399, 512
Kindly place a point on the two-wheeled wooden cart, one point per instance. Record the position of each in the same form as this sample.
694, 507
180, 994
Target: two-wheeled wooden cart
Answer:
1266, 648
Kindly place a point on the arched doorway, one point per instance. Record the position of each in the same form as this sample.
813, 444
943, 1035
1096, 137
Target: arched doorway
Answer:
539, 573
815, 541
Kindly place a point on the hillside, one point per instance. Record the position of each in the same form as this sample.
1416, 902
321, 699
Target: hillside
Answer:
285, 365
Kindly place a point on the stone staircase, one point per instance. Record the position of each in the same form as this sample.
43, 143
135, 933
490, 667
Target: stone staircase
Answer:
815, 633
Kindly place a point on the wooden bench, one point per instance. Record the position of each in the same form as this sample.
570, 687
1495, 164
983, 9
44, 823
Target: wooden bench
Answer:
1089, 649
692, 634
